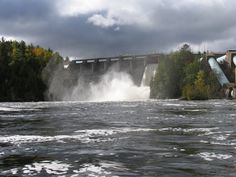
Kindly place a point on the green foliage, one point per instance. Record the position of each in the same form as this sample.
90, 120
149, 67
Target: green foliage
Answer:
168, 81
181, 74
197, 91
166, 75
21, 69
190, 72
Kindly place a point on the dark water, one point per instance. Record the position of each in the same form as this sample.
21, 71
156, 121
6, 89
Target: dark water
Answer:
151, 138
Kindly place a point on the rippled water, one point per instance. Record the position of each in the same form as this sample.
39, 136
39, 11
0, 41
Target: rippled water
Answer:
150, 138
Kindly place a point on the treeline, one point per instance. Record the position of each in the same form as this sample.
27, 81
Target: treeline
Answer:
32, 73
21, 70
182, 74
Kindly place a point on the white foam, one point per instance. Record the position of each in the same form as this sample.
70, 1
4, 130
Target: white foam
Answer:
113, 86
103, 132
14, 171
94, 170
189, 130
7, 109
210, 156
203, 141
223, 143
118, 86
84, 136
53, 167
11, 171
173, 104
220, 137
106, 132
19, 139
100, 169
15, 107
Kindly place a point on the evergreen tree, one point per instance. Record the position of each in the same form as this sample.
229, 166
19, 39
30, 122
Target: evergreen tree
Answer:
21, 68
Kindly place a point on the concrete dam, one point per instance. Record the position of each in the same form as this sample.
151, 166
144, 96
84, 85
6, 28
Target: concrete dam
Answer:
224, 66
123, 77
140, 67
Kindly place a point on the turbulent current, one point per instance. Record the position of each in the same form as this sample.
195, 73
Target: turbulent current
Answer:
113, 86
139, 138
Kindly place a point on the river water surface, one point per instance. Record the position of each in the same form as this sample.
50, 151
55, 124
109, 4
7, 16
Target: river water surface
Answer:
146, 138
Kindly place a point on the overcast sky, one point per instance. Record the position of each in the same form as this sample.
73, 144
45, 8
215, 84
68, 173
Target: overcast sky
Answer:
96, 28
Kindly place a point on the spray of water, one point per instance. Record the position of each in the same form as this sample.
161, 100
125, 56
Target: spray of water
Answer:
113, 86
118, 86
149, 73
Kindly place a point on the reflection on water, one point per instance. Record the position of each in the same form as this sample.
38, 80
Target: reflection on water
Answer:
149, 138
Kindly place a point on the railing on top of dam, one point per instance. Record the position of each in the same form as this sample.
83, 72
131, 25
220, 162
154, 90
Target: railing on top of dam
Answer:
149, 58
129, 63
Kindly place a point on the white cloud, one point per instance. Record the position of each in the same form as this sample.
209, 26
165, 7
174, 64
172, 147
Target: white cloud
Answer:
105, 22
122, 12
79, 7
219, 45
145, 14
14, 38
196, 3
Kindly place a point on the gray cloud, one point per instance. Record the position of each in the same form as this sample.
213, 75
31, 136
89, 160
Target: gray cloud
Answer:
151, 26
16, 10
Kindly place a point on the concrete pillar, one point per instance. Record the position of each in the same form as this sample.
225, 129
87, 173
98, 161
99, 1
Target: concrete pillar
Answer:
119, 64
100, 67
80, 68
92, 67
144, 62
104, 66
131, 65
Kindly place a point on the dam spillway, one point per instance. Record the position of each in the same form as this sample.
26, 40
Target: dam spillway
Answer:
93, 68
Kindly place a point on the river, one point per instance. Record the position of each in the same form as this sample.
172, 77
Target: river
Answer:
168, 138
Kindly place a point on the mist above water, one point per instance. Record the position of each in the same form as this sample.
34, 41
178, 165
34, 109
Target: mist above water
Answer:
113, 86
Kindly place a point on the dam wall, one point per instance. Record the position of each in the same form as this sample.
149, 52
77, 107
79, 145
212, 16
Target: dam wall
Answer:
91, 69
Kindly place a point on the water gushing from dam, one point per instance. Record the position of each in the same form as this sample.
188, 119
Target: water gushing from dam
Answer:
109, 79
149, 73
113, 86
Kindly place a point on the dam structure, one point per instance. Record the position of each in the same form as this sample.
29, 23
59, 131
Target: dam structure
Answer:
224, 65
135, 65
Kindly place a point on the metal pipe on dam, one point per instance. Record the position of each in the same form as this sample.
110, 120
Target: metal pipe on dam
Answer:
219, 73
